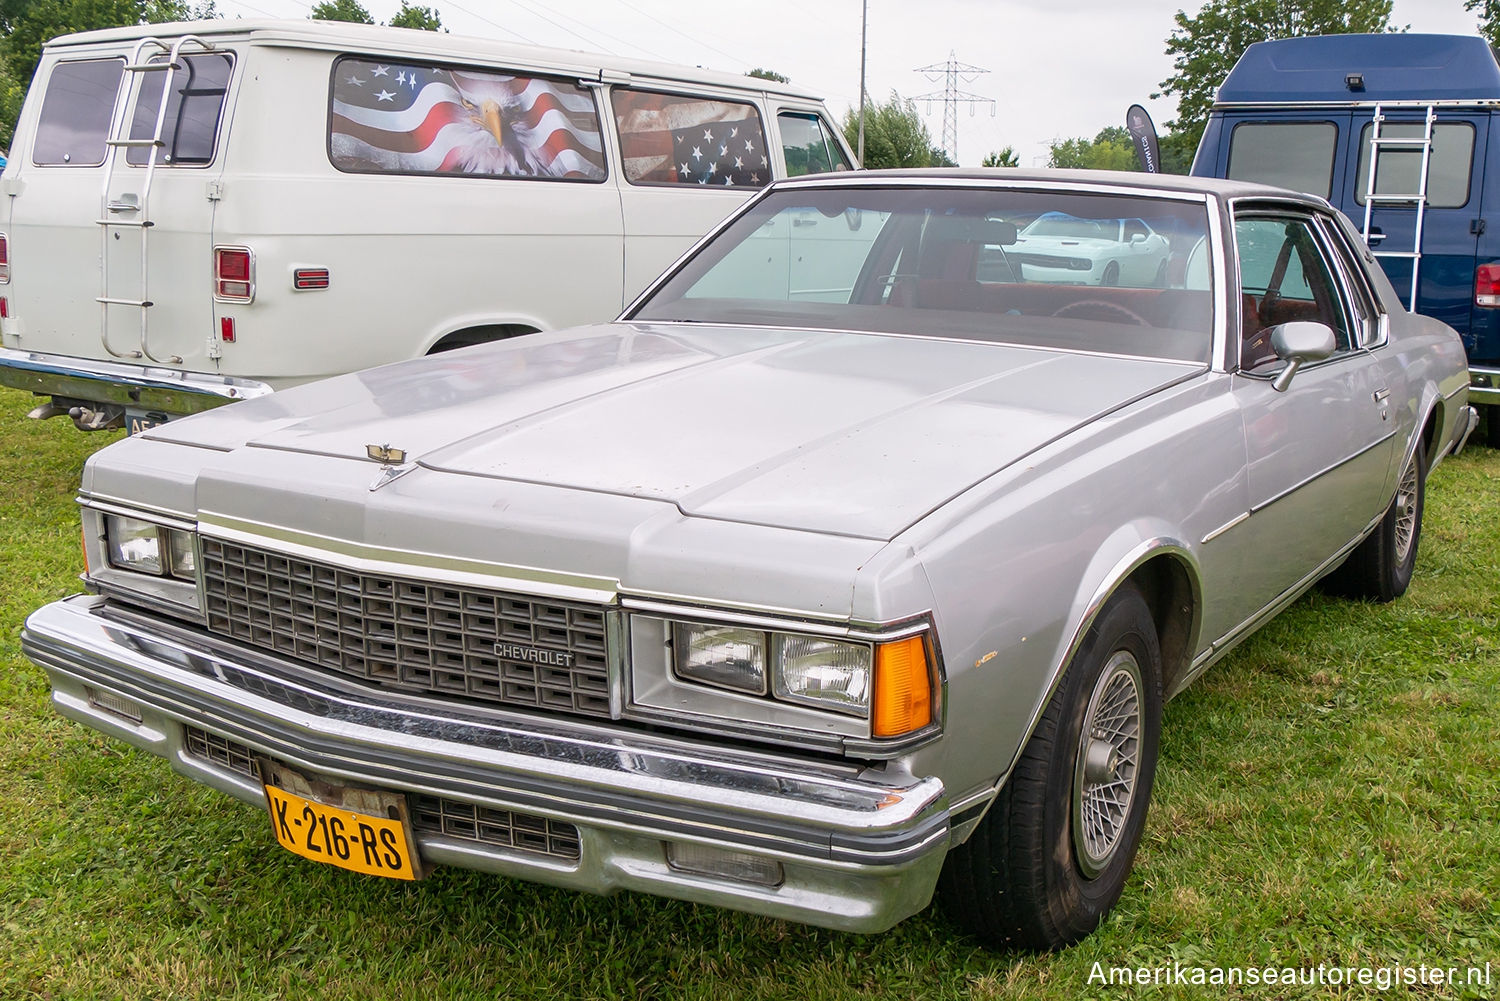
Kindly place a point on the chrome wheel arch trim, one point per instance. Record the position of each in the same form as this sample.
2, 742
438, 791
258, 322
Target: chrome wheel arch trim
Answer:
1136, 558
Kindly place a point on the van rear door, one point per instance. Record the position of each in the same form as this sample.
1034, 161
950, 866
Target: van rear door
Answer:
1449, 221
91, 220
1301, 150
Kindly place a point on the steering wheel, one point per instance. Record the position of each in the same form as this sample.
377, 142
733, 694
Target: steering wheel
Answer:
1102, 305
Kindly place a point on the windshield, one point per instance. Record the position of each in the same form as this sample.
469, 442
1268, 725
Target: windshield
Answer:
954, 262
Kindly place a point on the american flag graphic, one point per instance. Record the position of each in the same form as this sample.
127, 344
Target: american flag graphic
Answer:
423, 119
668, 139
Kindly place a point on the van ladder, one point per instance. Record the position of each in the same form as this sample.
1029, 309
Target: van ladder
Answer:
1416, 199
117, 140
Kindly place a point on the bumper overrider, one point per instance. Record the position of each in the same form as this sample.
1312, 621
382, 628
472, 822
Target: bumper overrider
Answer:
851, 848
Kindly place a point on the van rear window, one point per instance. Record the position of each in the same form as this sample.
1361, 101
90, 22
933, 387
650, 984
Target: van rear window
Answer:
195, 103
76, 109
1399, 167
1295, 155
403, 118
683, 139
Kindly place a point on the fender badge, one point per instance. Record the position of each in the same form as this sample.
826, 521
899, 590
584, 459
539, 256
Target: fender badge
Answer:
386, 454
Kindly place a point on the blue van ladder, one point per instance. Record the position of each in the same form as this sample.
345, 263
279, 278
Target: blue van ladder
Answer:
1417, 198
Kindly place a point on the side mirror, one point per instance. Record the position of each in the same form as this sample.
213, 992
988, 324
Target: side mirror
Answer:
1138, 238
1297, 343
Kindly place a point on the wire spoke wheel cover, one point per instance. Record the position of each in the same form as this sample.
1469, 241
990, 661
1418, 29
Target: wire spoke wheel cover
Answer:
1407, 511
1108, 763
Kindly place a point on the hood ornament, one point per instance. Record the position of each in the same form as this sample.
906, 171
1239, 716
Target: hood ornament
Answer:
386, 454
392, 461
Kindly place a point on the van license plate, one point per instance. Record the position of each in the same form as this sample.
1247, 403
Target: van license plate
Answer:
137, 421
356, 829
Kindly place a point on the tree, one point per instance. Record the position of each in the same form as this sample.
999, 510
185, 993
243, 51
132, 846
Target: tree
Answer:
895, 135
421, 18
1204, 48
761, 74
937, 157
25, 25
1489, 18
1002, 158
1109, 150
341, 10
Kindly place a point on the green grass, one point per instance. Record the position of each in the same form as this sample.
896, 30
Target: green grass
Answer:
1330, 793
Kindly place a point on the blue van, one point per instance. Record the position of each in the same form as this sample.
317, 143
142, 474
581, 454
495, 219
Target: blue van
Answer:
1313, 113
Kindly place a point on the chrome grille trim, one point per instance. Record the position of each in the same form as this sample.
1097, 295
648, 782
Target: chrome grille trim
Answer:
500, 828
449, 818
410, 634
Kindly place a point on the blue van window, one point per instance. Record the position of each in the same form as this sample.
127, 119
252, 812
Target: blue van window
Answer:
1296, 155
1399, 166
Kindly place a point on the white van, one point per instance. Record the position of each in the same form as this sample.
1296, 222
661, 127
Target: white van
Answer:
199, 213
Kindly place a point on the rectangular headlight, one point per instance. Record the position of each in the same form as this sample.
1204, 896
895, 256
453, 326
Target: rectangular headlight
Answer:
134, 544
827, 673
724, 656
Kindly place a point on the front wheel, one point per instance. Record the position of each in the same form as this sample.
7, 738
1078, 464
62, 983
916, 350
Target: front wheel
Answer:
1052, 855
1380, 568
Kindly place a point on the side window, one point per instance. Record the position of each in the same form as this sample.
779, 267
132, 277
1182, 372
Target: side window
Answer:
416, 118
1284, 276
680, 139
1296, 155
75, 114
195, 104
807, 145
1399, 168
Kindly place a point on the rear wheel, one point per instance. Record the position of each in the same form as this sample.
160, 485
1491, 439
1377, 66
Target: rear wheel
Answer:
1380, 568
1052, 855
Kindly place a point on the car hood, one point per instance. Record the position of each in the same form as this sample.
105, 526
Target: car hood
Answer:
830, 432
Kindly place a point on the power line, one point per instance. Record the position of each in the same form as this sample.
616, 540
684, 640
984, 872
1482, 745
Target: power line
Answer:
672, 27
951, 72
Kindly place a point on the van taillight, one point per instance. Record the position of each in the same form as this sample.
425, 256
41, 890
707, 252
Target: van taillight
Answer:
1487, 285
4, 258
234, 274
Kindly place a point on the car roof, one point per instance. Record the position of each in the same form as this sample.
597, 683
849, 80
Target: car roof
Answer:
1170, 184
440, 46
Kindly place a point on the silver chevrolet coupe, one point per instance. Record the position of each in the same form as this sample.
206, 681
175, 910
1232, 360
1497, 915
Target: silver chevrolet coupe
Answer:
848, 566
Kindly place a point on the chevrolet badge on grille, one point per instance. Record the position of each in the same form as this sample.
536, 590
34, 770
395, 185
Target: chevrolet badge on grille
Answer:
533, 655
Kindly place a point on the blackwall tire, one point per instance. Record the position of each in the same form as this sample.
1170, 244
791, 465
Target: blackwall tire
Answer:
1380, 569
1044, 866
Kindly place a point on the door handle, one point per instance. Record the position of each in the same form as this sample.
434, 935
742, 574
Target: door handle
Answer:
1381, 395
125, 203
1375, 235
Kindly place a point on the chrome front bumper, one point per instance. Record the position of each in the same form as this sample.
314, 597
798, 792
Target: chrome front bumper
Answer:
859, 849
171, 391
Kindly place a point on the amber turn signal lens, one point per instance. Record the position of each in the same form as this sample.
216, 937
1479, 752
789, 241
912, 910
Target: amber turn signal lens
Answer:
903, 688
83, 543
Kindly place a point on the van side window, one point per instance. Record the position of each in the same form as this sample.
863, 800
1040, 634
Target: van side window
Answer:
195, 103
404, 118
807, 145
1296, 155
75, 115
1399, 167
682, 139
1284, 277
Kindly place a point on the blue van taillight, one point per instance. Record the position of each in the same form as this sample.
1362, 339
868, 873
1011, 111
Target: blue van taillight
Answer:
1487, 285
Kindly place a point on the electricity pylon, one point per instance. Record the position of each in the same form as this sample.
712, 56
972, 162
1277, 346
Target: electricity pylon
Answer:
951, 72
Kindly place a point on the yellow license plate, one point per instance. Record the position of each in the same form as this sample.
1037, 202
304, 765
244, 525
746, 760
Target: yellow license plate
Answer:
331, 832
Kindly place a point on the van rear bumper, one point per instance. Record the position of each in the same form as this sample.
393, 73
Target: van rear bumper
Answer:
170, 391
1484, 385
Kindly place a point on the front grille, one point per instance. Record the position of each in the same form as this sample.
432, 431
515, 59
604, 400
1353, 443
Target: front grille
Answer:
410, 634
501, 828
429, 814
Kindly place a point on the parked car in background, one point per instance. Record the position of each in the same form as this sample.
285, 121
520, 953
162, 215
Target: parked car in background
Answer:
1057, 247
817, 582
1392, 129
199, 213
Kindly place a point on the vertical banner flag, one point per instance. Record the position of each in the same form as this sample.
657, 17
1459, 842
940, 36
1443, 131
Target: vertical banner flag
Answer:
1143, 139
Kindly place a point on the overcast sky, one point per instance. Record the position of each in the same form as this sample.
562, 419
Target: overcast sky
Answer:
1056, 68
